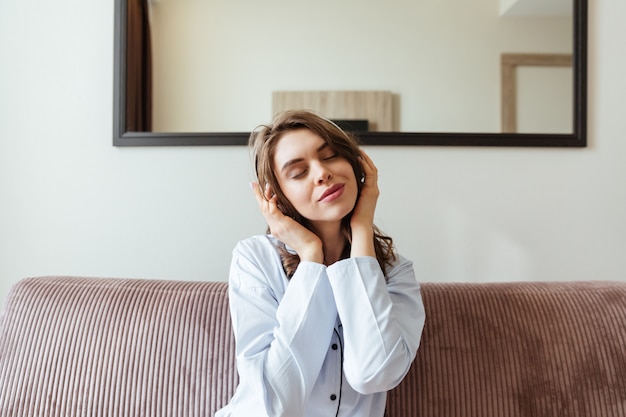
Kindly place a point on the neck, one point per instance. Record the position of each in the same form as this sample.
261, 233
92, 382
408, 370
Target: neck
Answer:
333, 241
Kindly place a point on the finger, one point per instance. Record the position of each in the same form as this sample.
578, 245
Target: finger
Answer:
272, 205
270, 200
261, 201
369, 169
367, 161
268, 192
255, 189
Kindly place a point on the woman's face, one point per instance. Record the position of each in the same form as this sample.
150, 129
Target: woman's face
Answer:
319, 184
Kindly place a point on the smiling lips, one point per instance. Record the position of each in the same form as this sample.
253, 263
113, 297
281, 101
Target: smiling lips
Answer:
332, 193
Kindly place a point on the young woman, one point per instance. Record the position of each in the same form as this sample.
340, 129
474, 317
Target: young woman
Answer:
327, 317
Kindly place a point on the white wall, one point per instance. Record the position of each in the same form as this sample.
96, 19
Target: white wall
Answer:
71, 203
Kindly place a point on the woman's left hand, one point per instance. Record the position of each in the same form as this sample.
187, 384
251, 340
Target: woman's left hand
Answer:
362, 221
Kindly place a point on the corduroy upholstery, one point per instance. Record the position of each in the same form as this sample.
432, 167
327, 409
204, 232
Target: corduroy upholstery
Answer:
115, 347
72, 346
519, 349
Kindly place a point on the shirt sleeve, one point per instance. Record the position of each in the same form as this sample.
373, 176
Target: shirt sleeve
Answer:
281, 339
382, 321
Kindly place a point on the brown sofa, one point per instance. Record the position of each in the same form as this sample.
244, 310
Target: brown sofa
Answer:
73, 346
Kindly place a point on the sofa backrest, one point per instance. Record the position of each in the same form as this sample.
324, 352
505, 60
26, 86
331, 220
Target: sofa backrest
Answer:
73, 346
518, 349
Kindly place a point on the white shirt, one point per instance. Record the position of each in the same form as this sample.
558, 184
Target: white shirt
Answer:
286, 332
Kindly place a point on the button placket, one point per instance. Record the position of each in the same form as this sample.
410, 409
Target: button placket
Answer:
335, 347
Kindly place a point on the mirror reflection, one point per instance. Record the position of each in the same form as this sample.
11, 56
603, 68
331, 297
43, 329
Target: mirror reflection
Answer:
215, 64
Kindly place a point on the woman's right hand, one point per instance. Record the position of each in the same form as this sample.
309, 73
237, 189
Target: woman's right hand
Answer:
307, 244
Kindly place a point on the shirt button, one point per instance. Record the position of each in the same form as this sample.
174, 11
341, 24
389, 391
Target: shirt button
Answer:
334, 346
333, 397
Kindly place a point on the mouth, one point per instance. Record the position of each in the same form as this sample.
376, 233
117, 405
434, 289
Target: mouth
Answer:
332, 193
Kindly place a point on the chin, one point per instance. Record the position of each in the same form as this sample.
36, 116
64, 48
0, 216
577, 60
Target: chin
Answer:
329, 217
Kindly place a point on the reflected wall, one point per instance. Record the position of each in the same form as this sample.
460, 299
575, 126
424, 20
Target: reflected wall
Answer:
217, 63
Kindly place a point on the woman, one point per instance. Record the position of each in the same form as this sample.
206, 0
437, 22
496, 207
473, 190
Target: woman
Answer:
327, 317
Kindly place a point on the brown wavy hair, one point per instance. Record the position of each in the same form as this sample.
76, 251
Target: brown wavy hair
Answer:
263, 142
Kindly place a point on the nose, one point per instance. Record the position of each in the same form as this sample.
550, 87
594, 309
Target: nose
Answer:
322, 173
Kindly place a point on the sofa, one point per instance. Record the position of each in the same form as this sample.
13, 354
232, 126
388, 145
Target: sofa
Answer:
80, 346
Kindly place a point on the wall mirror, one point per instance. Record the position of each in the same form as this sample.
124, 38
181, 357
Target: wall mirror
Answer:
203, 72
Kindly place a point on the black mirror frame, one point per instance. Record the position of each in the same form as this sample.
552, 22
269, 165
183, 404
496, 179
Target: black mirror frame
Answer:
578, 138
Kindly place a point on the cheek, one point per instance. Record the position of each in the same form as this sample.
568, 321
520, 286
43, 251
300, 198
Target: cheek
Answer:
355, 193
353, 185
294, 193
350, 174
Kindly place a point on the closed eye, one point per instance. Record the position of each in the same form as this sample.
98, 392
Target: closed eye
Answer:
298, 174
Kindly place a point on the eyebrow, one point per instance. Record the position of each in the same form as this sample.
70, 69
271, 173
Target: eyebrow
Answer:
296, 160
